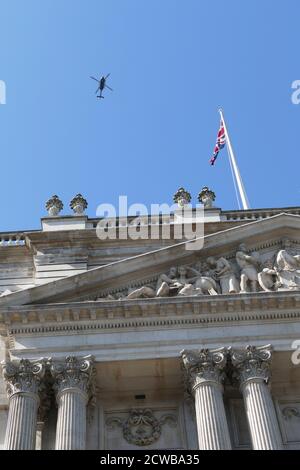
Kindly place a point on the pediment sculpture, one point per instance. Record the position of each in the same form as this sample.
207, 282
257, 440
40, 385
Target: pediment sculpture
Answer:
285, 274
182, 280
245, 272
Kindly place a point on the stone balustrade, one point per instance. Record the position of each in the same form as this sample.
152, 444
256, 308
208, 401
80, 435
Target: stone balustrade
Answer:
256, 214
12, 239
230, 216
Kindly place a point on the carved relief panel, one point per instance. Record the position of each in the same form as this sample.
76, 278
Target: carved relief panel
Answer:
288, 412
144, 428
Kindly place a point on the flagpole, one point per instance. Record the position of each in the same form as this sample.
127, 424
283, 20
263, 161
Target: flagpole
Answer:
237, 174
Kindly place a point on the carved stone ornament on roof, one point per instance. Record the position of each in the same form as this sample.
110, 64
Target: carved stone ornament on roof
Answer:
182, 197
206, 196
78, 204
54, 205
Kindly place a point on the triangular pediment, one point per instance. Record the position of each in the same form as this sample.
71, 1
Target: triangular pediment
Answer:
263, 237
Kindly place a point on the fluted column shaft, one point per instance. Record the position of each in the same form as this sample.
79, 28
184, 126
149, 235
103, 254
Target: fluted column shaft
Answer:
23, 383
205, 375
21, 423
71, 420
252, 367
72, 383
211, 419
261, 416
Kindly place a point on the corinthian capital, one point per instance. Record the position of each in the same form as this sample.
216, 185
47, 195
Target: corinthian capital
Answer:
24, 376
204, 365
252, 363
73, 373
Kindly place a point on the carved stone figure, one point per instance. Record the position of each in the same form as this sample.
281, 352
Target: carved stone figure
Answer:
190, 281
171, 283
144, 292
182, 281
248, 265
288, 268
268, 277
164, 285
218, 275
167, 285
204, 283
285, 275
225, 274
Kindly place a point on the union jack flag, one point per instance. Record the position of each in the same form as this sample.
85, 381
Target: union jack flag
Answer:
221, 141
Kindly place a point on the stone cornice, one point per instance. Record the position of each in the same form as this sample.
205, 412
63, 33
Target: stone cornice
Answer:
151, 313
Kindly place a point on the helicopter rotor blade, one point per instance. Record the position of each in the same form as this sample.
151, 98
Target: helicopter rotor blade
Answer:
95, 79
97, 89
107, 76
106, 86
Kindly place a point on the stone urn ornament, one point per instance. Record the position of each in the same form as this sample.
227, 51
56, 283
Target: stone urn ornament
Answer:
182, 197
206, 197
54, 205
78, 204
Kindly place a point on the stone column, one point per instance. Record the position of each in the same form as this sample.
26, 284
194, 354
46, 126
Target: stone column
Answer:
252, 369
72, 384
205, 375
23, 384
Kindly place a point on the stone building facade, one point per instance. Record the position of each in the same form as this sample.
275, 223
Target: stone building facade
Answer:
143, 344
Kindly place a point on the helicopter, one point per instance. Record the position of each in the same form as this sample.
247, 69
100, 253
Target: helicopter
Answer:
102, 85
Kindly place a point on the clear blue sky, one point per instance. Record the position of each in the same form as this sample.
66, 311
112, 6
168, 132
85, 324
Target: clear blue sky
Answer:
172, 63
